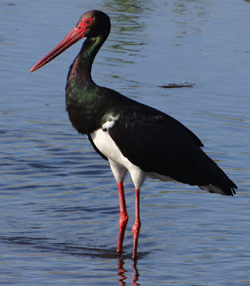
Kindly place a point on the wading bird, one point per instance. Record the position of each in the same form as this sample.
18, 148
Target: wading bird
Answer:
133, 137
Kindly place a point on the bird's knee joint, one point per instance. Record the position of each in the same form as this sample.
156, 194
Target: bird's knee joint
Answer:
136, 227
123, 221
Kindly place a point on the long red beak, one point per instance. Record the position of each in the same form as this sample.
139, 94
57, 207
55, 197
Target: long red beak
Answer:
73, 36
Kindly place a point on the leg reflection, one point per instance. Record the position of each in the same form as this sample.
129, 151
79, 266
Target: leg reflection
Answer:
136, 273
121, 273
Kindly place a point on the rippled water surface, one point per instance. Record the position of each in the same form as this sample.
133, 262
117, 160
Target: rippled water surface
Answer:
58, 199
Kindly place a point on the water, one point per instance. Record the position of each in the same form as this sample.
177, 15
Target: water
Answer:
59, 203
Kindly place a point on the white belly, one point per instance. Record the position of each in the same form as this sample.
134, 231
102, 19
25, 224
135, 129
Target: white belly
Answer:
118, 163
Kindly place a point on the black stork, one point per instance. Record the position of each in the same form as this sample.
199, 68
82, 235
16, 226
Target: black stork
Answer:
133, 137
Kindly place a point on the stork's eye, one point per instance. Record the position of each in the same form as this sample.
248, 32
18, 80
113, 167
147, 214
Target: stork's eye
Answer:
84, 23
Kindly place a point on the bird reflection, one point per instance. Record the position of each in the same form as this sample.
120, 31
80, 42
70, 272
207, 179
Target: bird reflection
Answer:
121, 273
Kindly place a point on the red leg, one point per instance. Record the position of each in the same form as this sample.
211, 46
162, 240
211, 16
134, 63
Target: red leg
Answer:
136, 227
123, 217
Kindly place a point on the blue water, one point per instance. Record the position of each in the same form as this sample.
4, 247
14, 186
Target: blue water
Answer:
58, 199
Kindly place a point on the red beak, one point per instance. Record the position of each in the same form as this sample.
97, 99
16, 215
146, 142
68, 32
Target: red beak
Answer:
73, 36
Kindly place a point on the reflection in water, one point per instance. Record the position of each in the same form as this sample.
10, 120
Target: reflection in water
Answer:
127, 6
136, 273
126, 37
188, 14
122, 271
127, 23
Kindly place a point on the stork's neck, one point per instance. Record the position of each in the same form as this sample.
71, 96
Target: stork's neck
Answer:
81, 67
83, 97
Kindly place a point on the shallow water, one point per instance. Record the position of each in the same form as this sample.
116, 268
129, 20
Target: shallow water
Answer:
58, 199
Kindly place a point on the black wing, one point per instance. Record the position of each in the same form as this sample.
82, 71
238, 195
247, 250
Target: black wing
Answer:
161, 144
